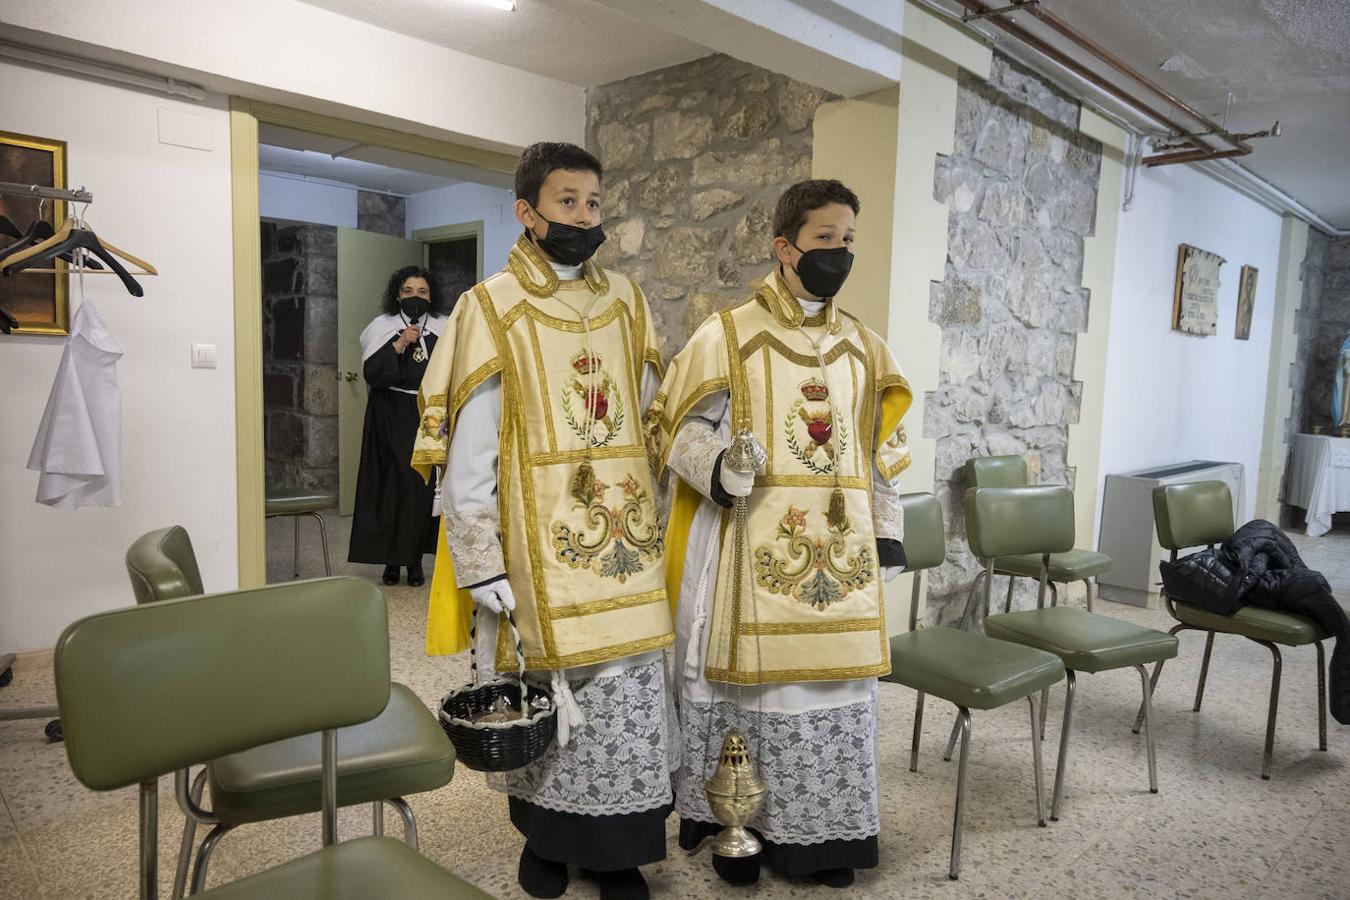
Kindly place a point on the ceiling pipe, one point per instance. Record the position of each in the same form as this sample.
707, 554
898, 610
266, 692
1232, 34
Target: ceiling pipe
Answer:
1201, 150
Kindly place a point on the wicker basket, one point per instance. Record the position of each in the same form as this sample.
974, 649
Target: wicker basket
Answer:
496, 746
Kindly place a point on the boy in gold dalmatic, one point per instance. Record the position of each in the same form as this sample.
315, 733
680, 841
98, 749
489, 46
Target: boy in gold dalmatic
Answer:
789, 651
533, 403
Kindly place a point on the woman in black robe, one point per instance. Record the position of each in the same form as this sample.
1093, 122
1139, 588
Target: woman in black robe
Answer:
394, 523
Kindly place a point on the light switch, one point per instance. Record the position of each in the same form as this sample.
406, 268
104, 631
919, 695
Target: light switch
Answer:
203, 356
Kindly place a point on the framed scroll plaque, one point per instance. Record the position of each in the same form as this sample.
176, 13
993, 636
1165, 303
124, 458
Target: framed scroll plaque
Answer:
1195, 302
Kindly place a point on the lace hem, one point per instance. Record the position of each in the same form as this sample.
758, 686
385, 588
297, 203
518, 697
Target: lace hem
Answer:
820, 768
617, 762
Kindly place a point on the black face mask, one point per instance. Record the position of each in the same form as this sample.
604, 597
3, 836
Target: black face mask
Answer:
569, 244
823, 271
414, 308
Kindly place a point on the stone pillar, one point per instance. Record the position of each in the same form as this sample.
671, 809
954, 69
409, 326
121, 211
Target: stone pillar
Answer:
381, 213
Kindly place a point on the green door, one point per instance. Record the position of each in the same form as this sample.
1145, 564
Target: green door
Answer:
365, 262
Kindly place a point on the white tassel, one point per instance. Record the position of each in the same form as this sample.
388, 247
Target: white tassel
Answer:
569, 712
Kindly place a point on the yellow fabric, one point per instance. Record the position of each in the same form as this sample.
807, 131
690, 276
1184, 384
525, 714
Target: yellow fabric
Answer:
449, 608
817, 612
682, 512
583, 555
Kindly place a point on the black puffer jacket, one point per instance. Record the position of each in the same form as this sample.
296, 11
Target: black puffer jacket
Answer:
1259, 566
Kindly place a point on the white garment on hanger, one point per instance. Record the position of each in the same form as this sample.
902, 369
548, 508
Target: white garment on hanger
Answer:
78, 444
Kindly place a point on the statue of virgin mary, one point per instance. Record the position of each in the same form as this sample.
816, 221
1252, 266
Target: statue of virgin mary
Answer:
1340, 389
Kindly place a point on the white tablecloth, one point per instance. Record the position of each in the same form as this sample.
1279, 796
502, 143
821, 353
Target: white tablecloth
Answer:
1319, 478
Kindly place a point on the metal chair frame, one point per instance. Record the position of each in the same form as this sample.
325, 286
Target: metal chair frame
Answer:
190, 802
323, 539
962, 726
1145, 708
1268, 753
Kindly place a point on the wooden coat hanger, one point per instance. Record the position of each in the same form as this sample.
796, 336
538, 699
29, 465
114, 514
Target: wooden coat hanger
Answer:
67, 238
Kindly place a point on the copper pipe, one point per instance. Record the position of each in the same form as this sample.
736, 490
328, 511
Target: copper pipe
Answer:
1190, 156
1076, 67
1106, 56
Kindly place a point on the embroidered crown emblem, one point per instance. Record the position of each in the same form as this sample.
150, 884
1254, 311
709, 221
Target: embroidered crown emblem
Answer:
815, 389
586, 363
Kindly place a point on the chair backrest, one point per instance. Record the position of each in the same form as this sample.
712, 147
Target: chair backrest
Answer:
1011, 521
996, 471
150, 689
162, 566
925, 537
1189, 515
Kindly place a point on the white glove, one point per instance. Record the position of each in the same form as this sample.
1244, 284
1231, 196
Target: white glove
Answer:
737, 484
495, 596
890, 573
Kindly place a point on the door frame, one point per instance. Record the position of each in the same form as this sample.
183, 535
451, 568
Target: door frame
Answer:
441, 233
245, 117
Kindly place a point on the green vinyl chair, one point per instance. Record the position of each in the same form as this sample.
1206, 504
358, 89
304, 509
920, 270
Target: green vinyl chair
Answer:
1066, 567
968, 670
153, 689
1201, 513
1013, 521
401, 751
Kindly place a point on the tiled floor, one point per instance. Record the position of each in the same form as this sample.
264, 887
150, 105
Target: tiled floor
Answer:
1215, 830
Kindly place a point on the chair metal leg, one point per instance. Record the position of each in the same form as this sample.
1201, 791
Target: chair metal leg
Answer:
958, 820
1148, 726
1012, 582
377, 826
1091, 589
951, 741
918, 729
180, 874
1071, 682
1269, 753
1153, 681
1036, 761
323, 543
970, 599
1204, 672
409, 823
204, 856
149, 840
1045, 705
295, 554
1321, 696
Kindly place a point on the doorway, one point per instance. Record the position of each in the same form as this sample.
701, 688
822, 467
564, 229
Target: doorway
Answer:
318, 272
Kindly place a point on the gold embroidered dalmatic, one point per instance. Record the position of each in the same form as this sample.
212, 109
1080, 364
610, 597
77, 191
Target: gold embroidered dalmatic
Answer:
580, 539
811, 606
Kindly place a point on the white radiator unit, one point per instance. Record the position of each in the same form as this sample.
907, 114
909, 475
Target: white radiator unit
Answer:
1128, 535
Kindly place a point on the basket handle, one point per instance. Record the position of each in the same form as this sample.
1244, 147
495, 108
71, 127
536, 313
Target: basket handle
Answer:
520, 652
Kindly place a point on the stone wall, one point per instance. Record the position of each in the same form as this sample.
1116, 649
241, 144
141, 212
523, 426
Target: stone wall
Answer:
1021, 184
381, 213
300, 355
1322, 322
695, 158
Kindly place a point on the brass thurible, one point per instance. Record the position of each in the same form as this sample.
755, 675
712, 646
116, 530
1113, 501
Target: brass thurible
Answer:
735, 793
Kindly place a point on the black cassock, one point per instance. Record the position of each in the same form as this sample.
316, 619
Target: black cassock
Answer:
393, 523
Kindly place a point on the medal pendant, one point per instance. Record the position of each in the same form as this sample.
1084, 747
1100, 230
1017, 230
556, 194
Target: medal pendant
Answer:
419, 355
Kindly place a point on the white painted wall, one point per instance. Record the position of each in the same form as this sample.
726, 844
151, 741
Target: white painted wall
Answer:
468, 202
171, 206
289, 52
283, 197
1172, 397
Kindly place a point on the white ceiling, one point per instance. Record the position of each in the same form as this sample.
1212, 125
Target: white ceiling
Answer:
577, 41
1282, 59
302, 153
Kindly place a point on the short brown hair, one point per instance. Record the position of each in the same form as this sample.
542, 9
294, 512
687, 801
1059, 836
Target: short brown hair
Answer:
797, 201
545, 157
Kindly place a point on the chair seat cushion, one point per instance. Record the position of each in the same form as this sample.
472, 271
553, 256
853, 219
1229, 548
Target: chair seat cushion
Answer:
1071, 565
290, 503
968, 669
1087, 642
358, 869
1254, 622
401, 751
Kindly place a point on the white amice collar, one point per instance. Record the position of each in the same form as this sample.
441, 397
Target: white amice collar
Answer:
811, 307
565, 273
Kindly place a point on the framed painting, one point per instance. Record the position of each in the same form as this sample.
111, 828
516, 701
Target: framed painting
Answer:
1246, 302
1195, 301
40, 302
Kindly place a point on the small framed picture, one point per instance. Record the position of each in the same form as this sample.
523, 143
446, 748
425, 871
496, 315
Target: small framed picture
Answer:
1195, 299
1246, 302
40, 302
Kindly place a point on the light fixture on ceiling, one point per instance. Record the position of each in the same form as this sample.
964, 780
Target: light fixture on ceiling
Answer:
503, 5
